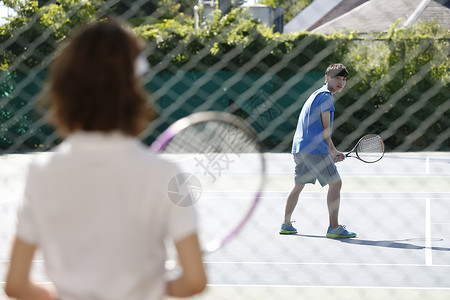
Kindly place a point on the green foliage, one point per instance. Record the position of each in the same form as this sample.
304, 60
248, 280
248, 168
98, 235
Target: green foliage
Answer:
291, 7
174, 8
41, 26
160, 9
396, 70
220, 35
26, 41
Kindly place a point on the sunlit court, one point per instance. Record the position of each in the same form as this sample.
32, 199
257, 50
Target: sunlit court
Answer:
225, 149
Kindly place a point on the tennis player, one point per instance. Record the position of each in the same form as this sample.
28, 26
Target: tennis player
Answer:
97, 206
315, 154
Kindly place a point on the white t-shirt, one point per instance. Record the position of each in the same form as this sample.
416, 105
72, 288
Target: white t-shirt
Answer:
99, 210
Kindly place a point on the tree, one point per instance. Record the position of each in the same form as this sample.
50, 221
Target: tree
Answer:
291, 7
36, 30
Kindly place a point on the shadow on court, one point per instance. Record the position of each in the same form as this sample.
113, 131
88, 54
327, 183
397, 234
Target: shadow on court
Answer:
387, 244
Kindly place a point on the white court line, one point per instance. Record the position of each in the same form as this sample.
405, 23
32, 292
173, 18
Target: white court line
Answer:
290, 263
314, 197
316, 264
33, 261
306, 286
303, 286
327, 286
285, 193
12, 199
427, 165
428, 249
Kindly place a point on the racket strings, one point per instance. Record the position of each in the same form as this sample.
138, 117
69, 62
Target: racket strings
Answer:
227, 160
223, 159
370, 148
212, 137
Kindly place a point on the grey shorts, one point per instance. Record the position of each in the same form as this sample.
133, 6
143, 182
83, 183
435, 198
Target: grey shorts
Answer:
312, 167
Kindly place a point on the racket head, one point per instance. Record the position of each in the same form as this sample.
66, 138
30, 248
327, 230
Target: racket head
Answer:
369, 149
220, 156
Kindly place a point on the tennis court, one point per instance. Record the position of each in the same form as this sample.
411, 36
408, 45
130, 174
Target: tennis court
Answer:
207, 56
400, 208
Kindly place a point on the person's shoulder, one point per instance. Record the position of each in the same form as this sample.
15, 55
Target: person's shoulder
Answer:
323, 91
322, 94
149, 158
42, 160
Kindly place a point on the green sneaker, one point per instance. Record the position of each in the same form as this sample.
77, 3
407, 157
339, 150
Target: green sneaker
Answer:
287, 229
340, 233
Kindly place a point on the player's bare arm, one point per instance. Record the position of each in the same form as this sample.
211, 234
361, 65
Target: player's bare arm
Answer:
326, 123
193, 279
18, 284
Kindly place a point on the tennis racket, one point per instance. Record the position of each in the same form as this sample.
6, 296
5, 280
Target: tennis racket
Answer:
369, 149
224, 168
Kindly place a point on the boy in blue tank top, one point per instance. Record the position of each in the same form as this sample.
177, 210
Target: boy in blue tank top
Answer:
315, 154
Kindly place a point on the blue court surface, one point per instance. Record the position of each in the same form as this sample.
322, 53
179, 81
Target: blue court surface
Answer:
399, 207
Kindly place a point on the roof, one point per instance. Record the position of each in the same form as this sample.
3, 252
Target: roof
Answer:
339, 10
311, 14
366, 16
438, 10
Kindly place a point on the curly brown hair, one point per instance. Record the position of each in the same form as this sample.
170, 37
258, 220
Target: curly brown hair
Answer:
92, 84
